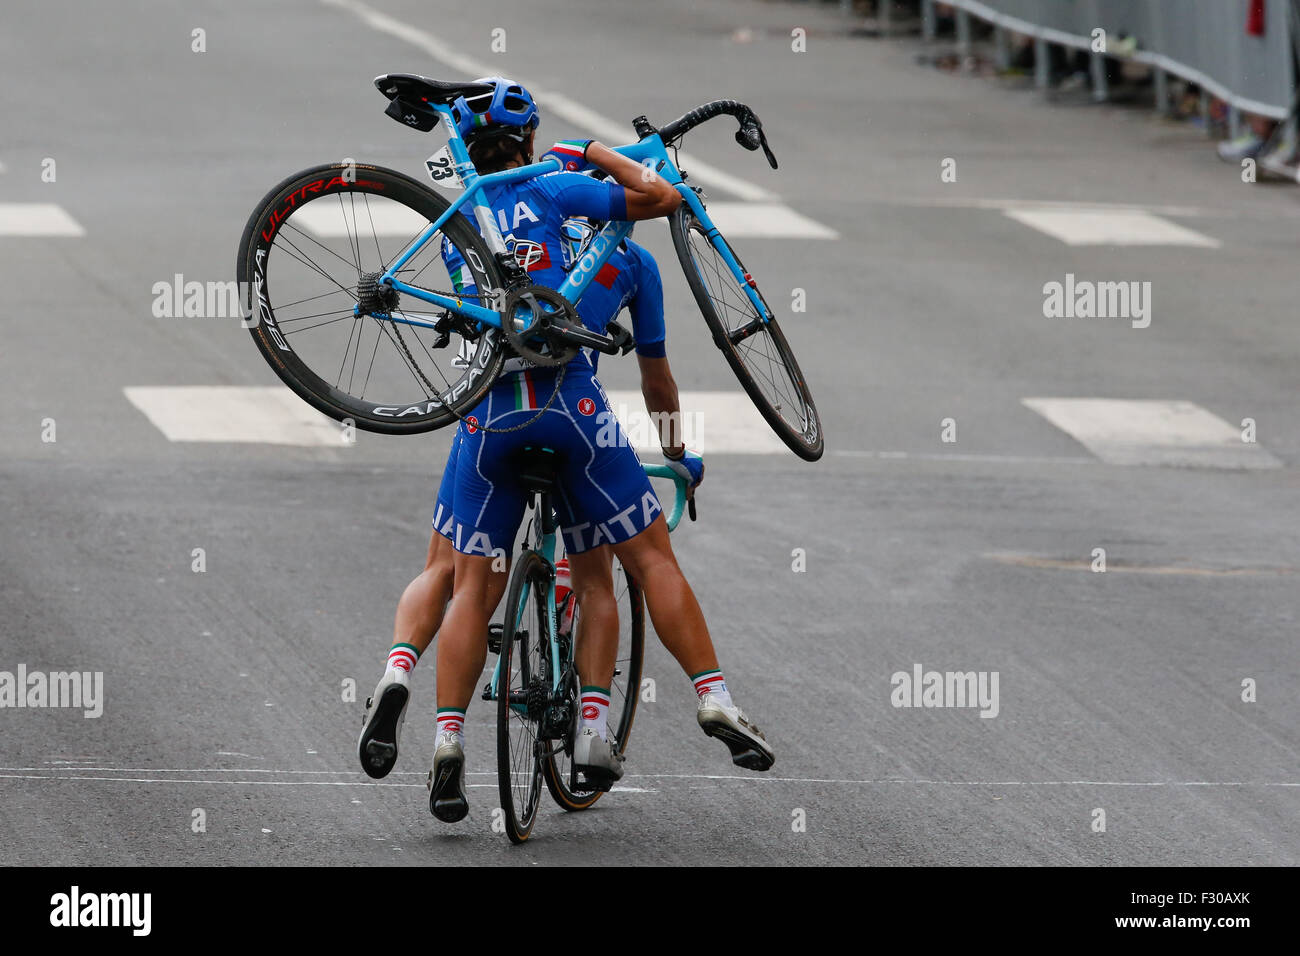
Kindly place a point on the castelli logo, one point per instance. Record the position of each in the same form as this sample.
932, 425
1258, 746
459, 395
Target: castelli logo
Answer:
570, 165
587, 406
471, 424
590, 713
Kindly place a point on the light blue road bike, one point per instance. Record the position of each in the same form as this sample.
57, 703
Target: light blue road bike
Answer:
354, 308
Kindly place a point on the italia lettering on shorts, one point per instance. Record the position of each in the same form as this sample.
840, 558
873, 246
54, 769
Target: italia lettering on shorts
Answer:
478, 542
624, 525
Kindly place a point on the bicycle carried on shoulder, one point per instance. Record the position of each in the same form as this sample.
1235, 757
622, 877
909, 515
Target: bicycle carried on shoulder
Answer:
392, 339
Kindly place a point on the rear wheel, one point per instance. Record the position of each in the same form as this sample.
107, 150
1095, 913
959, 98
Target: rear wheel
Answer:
752, 342
523, 694
312, 252
624, 692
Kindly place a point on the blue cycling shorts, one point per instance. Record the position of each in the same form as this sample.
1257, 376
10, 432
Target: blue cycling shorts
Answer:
603, 495
443, 522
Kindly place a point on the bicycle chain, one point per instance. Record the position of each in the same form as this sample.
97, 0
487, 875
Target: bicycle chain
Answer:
559, 380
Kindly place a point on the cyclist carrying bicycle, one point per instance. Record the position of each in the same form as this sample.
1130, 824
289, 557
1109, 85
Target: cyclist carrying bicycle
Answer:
604, 497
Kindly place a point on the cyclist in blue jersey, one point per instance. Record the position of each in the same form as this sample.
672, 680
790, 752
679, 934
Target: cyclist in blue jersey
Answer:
605, 502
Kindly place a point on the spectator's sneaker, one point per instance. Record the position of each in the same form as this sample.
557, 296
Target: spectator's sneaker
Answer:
447, 780
595, 759
1243, 147
382, 724
748, 746
1280, 156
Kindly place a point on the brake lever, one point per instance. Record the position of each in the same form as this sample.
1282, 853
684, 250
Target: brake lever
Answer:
749, 136
690, 507
767, 150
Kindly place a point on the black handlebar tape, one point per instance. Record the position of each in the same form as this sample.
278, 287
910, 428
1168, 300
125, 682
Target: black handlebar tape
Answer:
700, 114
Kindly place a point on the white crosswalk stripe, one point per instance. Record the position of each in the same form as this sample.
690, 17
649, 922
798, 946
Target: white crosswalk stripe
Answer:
1129, 432
325, 220
712, 423
1108, 227
719, 422
270, 415
37, 219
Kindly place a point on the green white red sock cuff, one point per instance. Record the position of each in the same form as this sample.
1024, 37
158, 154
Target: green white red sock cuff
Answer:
595, 708
709, 682
403, 657
451, 720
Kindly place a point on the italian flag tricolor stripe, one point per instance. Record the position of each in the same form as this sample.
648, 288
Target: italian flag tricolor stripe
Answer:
525, 393
569, 147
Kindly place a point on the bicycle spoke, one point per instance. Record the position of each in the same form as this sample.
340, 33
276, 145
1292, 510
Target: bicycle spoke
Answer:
342, 317
747, 334
310, 238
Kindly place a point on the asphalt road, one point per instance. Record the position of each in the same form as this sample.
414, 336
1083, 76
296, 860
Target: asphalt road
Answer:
1118, 691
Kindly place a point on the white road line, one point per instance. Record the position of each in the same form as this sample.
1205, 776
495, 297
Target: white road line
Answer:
939, 456
328, 220
1178, 433
763, 220
1117, 227
1057, 204
607, 130
227, 413
751, 778
1066, 564
724, 423
37, 219
757, 220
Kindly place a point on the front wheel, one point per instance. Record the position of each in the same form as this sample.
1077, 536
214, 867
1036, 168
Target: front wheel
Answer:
308, 266
523, 694
752, 342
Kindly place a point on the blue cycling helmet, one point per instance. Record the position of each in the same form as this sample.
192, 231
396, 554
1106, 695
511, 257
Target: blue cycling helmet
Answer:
509, 110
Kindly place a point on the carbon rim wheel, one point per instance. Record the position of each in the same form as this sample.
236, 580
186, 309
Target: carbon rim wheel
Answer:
523, 680
756, 350
624, 691
314, 248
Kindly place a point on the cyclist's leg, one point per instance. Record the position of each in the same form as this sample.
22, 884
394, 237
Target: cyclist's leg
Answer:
462, 650
679, 622
596, 648
419, 614
488, 505
674, 611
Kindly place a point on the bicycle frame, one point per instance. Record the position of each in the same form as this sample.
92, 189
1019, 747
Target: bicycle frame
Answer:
650, 152
545, 546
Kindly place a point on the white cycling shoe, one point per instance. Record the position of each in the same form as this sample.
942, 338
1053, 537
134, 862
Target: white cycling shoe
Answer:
749, 748
447, 780
595, 758
382, 723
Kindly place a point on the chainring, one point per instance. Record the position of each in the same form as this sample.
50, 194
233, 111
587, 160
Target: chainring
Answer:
533, 298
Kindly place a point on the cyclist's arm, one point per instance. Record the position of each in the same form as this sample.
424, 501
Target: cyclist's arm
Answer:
648, 194
659, 389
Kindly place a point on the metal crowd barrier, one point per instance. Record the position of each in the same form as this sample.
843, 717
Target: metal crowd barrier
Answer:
1202, 41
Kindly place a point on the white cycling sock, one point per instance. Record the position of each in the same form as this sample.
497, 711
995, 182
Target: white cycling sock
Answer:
595, 710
